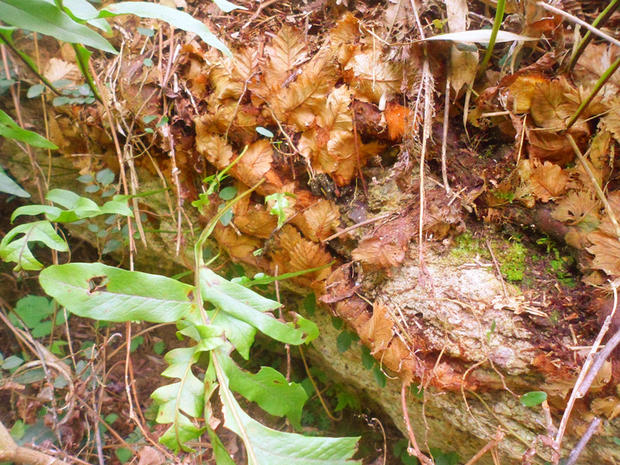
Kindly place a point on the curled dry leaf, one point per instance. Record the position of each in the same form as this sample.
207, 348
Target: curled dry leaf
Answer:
399, 121
256, 221
299, 102
378, 331
318, 221
255, 163
545, 181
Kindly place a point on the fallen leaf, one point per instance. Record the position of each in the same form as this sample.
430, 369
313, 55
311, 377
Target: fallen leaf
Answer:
318, 221
606, 251
578, 206
371, 76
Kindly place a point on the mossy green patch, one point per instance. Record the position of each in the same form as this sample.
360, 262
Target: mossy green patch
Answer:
513, 261
467, 246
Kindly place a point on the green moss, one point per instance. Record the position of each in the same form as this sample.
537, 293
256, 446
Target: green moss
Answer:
513, 262
467, 246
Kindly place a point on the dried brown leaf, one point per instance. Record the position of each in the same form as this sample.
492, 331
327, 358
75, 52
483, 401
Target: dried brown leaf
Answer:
318, 221
371, 76
213, 147
294, 253
255, 163
578, 206
606, 251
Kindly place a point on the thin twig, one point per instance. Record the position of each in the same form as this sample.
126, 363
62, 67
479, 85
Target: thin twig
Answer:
444, 142
355, 226
574, 455
424, 460
580, 22
490, 445
577, 392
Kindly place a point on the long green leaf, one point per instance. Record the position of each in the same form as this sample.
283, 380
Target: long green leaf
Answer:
11, 130
102, 292
251, 308
266, 446
13, 249
45, 18
8, 186
176, 18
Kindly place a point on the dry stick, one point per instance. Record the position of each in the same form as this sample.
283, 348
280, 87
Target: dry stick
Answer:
355, 226
580, 22
11, 452
119, 155
599, 192
600, 19
444, 142
491, 444
316, 388
598, 363
577, 393
574, 455
424, 460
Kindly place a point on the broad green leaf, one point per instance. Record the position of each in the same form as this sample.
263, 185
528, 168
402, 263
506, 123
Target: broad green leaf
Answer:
266, 446
11, 130
240, 334
269, 389
481, 36
8, 186
45, 18
102, 292
181, 433
17, 250
178, 19
250, 307
533, 398
32, 310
